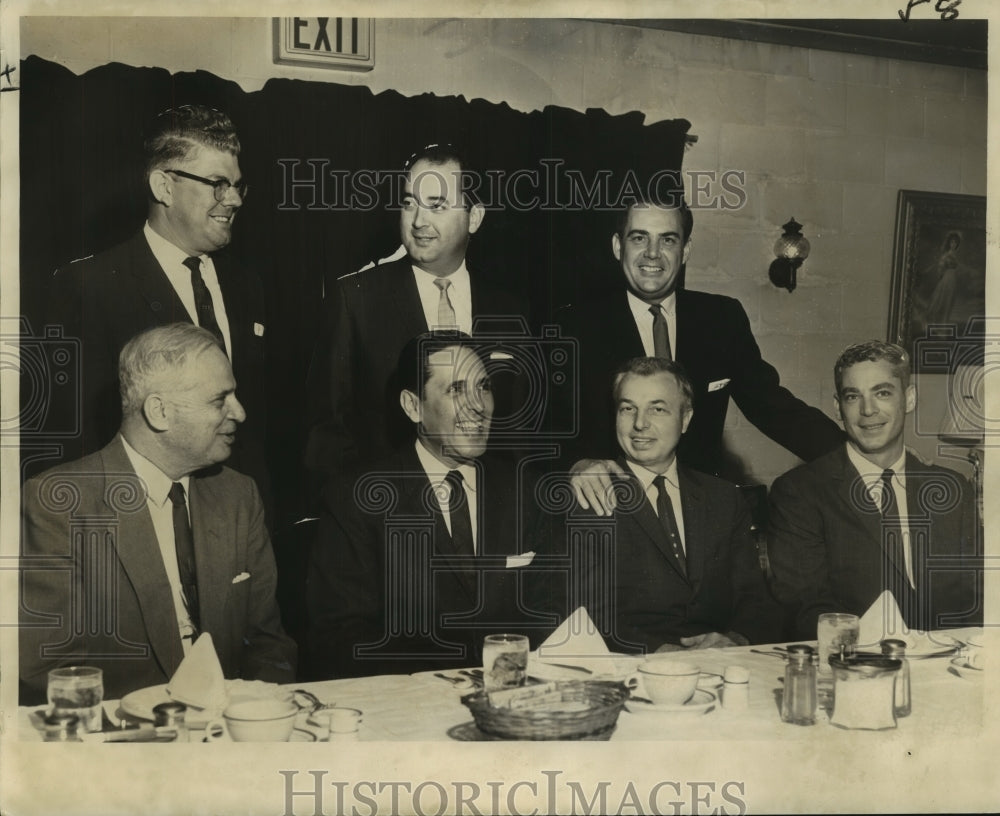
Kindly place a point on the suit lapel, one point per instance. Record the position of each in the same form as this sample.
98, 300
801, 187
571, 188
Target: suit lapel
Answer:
139, 554
405, 299
234, 302
215, 558
152, 281
645, 516
694, 509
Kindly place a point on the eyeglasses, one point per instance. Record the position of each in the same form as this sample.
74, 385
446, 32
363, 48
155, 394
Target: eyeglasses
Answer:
220, 187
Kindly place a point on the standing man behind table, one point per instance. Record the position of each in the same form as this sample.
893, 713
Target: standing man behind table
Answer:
416, 560
708, 334
871, 516
371, 314
679, 570
129, 553
172, 270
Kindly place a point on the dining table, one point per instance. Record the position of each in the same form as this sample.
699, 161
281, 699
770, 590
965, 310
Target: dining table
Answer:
947, 698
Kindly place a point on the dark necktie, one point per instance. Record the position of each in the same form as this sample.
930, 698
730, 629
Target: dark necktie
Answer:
203, 300
446, 312
184, 545
458, 511
665, 510
892, 530
661, 337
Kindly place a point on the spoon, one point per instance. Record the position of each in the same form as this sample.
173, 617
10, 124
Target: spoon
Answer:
455, 681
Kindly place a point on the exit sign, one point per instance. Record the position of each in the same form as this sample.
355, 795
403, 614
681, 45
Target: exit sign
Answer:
326, 42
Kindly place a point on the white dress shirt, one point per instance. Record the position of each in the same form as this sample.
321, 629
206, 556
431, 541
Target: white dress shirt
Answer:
871, 475
436, 471
644, 321
459, 293
171, 260
647, 476
161, 512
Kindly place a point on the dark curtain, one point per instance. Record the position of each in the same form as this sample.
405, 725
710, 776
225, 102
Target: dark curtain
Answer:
82, 192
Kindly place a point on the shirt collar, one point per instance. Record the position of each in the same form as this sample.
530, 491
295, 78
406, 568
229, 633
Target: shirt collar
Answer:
870, 472
436, 470
640, 307
646, 476
157, 482
168, 254
459, 278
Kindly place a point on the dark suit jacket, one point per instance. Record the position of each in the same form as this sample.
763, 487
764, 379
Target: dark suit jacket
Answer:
94, 589
107, 299
622, 568
369, 581
718, 351
354, 413
826, 551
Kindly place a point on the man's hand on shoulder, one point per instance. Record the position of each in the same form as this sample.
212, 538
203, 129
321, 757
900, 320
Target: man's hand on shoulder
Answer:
591, 482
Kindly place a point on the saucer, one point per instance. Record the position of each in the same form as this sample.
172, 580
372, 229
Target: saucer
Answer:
702, 702
960, 665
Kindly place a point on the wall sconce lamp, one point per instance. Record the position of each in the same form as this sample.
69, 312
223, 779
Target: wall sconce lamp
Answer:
790, 250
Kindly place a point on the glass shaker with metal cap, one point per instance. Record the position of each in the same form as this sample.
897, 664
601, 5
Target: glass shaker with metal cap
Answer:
798, 701
172, 715
896, 649
864, 691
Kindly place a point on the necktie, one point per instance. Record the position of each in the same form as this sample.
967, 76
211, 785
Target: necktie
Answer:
458, 511
665, 510
203, 299
184, 545
661, 337
446, 313
892, 531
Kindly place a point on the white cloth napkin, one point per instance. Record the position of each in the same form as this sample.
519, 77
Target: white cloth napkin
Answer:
882, 620
575, 642
199, 681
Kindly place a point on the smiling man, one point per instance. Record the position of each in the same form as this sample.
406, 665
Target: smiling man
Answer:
372, 313
709, 334
130, 553
411, 565
871, 516
171, 270
681, 571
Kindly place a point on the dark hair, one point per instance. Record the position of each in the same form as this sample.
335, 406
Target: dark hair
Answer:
176, 132
438, 154
687, 217
873, 351
647, 367
413, 370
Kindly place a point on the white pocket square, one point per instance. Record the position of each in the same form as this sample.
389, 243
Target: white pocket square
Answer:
258, 329
522, 560
715, 386
243, 576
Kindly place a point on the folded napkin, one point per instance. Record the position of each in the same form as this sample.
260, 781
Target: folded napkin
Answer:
575, 642
199, 681
882, 620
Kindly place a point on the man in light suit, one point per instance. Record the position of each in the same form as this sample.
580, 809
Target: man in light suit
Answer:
172, 270
129, 553
371, 314
411, 567
675, 567
708, 334
871, 516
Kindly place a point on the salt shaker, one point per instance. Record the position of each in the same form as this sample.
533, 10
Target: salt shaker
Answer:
736, 688
798, 702
172, 715
896, 649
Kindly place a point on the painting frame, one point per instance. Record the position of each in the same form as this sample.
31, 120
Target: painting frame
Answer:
937, 302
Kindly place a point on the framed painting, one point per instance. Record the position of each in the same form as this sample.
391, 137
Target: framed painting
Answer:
937, 302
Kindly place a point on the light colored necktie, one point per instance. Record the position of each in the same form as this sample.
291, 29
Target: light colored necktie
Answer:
446, 313
661, 337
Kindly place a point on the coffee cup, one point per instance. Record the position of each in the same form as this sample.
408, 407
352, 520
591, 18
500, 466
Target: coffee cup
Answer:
669, 682
257, 720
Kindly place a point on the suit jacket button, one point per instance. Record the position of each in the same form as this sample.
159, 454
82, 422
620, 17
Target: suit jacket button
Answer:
156, 305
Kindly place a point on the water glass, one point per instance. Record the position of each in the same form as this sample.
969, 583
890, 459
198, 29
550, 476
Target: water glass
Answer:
833, 630
78, 690
505, 661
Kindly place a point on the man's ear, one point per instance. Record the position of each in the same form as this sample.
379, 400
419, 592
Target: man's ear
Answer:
836, 406
410, 404
911, 398
477, 212
687, 420
154, 409
161, 187
686, 251
616, 246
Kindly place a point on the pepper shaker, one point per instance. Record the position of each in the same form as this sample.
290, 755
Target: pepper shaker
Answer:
896, 649
798, 702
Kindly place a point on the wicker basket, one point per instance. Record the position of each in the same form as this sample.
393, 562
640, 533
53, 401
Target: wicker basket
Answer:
604, 700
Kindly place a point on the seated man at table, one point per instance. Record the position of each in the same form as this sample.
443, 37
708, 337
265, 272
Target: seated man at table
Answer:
675, 567
413, 562
871, 516
130, 552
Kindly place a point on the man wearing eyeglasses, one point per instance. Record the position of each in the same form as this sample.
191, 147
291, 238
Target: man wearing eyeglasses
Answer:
170, 272
371, 314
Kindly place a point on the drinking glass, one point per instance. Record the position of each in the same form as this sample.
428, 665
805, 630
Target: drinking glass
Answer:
833, 630
78, 690
505, 661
